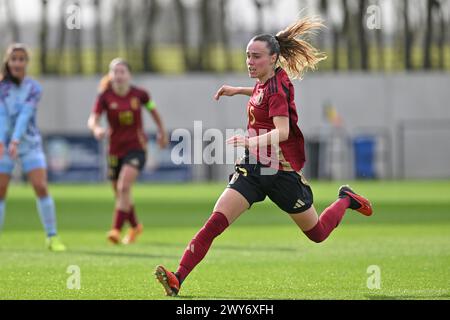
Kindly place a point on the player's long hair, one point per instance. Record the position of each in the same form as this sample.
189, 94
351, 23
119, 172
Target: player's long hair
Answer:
105, 82
5, 73
291, 45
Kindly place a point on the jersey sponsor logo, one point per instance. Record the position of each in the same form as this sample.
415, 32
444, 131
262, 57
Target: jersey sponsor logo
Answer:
126, 118
134, 102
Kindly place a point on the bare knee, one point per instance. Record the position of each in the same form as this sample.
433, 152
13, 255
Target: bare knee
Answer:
41, 189
231, 204
123, 189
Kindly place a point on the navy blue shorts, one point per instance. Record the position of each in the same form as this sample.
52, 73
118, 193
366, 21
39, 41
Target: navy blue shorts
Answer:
289, 190
135, 159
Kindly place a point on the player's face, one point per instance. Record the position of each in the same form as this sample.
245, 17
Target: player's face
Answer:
120, 75
17, 63
259, 60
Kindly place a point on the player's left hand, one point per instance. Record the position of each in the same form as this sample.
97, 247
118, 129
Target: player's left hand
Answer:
162, 139
13, 149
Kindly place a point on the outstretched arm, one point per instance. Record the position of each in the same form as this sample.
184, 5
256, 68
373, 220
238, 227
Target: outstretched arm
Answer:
230, 91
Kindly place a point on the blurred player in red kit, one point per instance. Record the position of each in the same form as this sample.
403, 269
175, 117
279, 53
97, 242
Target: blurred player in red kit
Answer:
123, 104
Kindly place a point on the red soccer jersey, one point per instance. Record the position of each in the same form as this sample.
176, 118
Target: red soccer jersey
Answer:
125, 120
273, 98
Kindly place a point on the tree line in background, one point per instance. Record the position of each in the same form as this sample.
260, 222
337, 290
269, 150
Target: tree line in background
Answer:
420, 42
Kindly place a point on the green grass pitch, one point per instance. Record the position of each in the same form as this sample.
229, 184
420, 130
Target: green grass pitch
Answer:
262, 256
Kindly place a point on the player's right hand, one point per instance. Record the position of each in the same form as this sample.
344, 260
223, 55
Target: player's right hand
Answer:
226, 90
99, 133
2, 149
13, 149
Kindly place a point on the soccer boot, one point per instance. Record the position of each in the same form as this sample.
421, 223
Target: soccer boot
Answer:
114, 236
357, 202
55, 244
132, 234
168, 280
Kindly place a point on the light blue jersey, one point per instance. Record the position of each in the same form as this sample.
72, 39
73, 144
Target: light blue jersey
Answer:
18, 105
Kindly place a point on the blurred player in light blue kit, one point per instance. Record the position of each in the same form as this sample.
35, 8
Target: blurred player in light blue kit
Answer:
20, 138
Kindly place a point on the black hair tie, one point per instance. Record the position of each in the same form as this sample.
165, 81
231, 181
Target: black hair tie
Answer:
276, 38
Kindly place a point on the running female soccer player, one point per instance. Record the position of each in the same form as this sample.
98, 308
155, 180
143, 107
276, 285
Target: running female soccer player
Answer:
271, 109
20, 138
122, 103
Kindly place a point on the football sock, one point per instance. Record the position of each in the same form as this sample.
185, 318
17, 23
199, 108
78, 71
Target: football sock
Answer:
328, 220
132, 218
46, 209
119, 219
199, 245
178, 276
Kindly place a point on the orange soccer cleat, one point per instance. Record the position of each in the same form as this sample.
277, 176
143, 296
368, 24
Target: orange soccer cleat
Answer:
168, 280
114, 236
132, 234
357, 202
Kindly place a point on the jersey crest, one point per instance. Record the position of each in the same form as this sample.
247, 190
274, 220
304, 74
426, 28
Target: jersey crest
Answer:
134, 103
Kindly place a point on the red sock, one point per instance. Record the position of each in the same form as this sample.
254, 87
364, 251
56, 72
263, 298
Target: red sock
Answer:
132, 218
329, 219
119, 219
199, 245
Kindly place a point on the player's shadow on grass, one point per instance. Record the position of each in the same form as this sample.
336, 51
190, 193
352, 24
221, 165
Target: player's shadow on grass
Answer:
404, 297
229, 247
123, 254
